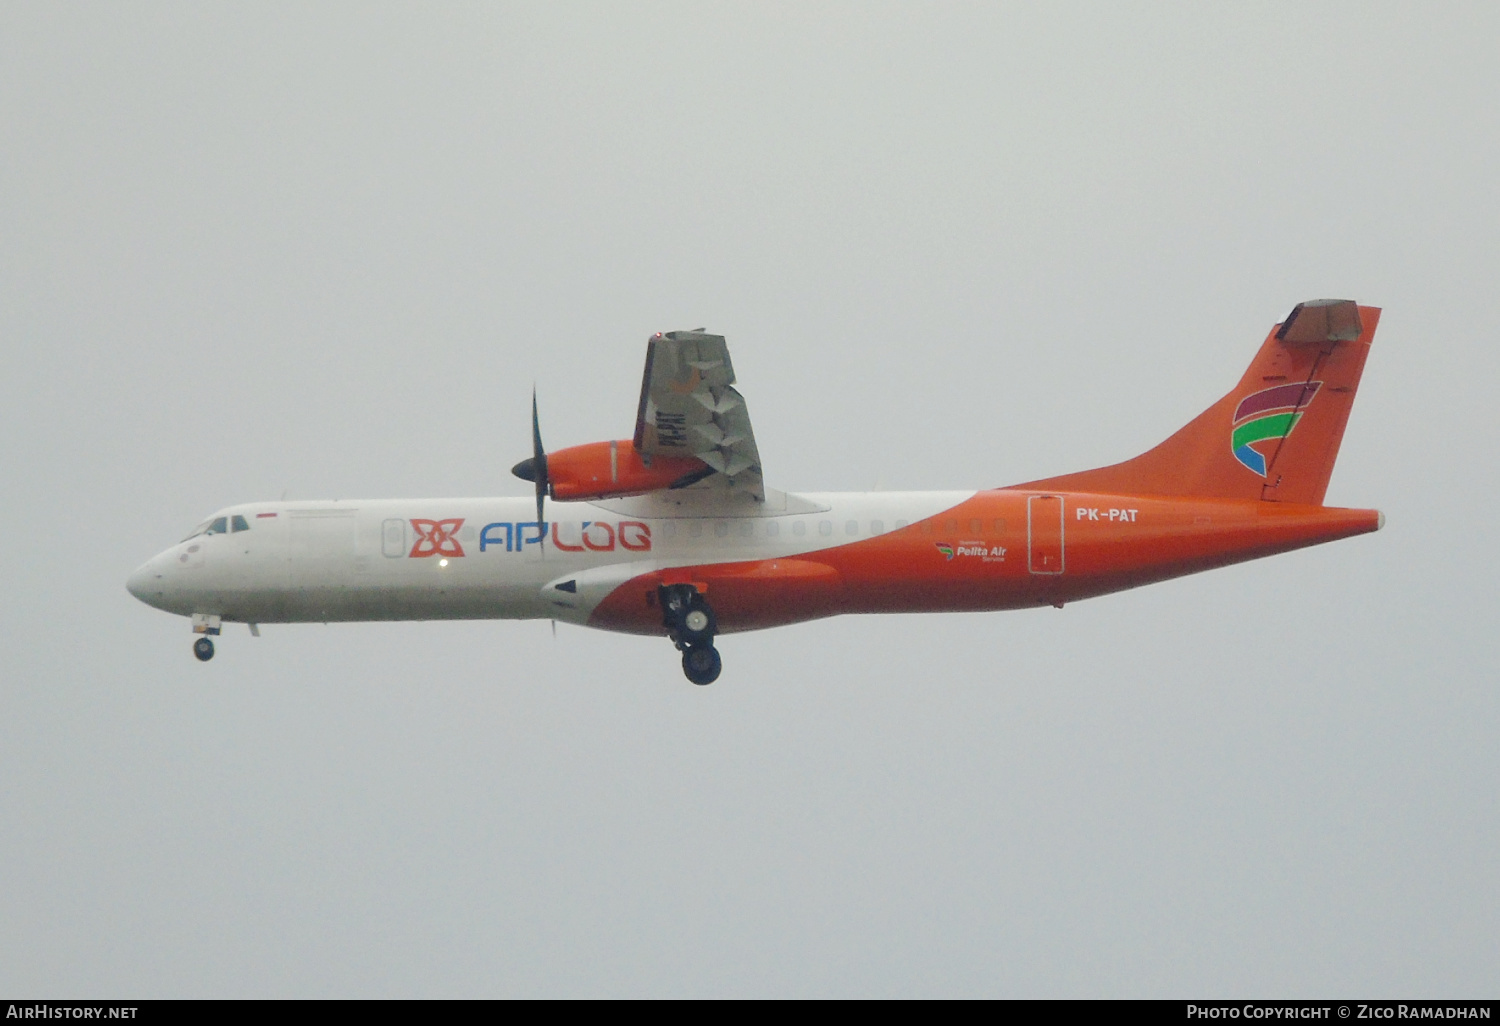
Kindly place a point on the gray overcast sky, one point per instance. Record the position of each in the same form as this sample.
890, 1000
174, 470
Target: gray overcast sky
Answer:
327, 249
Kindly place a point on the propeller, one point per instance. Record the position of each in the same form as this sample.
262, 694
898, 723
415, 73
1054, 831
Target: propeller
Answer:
535, 468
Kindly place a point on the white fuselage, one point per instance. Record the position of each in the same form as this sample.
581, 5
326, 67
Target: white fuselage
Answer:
429, 559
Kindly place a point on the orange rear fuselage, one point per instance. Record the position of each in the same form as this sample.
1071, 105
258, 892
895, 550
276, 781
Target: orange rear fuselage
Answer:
1003, 549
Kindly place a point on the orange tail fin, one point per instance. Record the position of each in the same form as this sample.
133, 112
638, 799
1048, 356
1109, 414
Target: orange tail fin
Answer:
1275, 436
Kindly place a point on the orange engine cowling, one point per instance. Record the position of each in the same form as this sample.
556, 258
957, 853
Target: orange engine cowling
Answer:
602, 469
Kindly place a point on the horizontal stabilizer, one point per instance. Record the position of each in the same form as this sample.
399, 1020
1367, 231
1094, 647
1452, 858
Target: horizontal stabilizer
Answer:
1319, 321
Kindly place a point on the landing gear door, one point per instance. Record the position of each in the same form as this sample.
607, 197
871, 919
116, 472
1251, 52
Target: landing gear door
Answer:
1044, 533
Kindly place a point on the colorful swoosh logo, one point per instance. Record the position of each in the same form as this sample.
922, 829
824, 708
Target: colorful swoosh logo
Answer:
945, 549
1269, 414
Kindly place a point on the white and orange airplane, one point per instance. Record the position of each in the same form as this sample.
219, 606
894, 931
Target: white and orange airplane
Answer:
674, 533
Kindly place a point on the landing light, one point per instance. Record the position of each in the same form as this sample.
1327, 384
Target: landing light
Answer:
442, 562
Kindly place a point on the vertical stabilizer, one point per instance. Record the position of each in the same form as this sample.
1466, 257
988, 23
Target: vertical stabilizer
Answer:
1276, 435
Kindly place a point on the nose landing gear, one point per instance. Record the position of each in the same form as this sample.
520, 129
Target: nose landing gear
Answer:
204, 625
691, 625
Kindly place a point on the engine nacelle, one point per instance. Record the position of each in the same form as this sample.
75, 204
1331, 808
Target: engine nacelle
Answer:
602, 469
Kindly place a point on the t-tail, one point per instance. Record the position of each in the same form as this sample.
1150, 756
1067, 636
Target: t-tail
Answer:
1276, 435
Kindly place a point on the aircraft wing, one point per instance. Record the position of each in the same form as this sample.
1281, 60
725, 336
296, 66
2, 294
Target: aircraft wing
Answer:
689, 407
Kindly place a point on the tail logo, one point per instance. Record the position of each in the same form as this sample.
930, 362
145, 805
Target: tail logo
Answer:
1268, 416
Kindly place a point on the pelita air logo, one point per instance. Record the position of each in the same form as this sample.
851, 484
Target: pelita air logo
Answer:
1264, 418
972, 550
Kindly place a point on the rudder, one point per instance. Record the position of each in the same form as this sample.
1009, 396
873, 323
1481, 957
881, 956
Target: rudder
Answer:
1276, 435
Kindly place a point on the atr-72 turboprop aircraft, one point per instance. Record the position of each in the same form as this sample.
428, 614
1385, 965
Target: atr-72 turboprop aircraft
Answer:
674, 533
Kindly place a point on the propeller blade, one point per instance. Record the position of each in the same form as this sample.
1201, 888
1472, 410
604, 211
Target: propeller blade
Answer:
538, 467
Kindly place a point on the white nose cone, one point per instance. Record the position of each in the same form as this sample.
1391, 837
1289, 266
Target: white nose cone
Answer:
146, 583
138, 582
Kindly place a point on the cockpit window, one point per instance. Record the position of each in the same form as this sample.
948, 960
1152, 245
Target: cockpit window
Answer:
218, 525
237, 523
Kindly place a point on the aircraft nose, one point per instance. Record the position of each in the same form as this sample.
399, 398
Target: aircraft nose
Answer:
145, 583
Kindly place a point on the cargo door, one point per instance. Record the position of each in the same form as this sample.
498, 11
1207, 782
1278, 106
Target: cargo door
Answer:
1044, 533
321, 547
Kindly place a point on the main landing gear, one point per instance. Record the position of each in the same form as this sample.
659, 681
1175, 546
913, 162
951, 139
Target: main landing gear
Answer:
203, 648
691, 625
